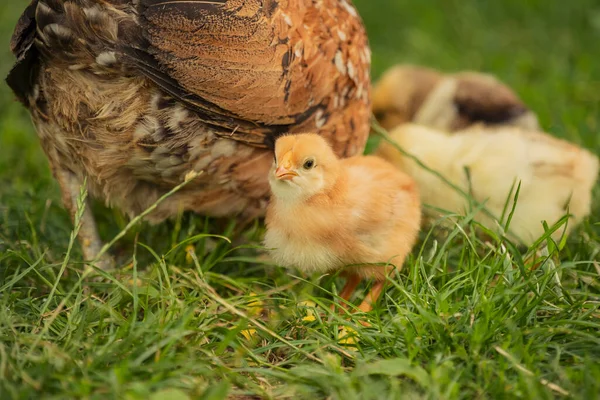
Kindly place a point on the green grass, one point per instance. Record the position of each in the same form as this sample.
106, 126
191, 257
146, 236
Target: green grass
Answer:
462, 320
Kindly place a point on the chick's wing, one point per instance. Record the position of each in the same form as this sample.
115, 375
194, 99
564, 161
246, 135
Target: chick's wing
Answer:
378, 193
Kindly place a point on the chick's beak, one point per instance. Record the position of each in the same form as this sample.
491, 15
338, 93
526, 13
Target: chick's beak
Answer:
284, 174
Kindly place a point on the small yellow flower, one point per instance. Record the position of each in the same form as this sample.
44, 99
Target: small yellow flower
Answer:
138, 282
310, 310
348, 336
189, 250
256, 306
248, 333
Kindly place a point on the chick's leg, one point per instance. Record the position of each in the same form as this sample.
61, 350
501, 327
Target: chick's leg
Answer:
372, 296
89, 239
352, 282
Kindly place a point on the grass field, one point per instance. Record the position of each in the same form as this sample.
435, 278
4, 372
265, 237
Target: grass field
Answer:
193, 316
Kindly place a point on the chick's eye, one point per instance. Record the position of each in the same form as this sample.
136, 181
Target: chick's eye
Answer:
308, 164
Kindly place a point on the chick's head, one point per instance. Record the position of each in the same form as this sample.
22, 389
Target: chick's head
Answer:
304, 165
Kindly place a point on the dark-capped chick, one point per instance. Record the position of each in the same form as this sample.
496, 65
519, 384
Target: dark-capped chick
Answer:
448, 102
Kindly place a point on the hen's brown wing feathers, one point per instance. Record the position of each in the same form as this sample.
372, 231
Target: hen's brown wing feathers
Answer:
275, 64
230, 54
250, 69
221, 120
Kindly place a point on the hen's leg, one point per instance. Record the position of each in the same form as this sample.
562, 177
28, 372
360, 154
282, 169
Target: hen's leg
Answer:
372, 296
351, 283
89, 239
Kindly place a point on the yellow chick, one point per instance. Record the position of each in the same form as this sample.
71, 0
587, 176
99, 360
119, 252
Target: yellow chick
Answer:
328, 214
449, 102
556, 176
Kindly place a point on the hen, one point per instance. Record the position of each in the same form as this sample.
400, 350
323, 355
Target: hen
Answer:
359, 214
133, 94
555, 177
448, 102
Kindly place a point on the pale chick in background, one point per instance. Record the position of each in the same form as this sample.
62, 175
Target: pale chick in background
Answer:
556, 177
328, 214
450, 102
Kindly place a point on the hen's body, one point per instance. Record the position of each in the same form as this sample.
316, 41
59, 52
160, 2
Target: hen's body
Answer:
133, 94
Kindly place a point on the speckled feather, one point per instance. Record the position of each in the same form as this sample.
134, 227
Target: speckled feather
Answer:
134, 94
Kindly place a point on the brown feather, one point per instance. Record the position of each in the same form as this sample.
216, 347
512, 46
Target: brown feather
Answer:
134, 94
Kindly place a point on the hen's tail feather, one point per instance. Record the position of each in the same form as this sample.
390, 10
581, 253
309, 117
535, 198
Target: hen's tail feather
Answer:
23, 74
58, 30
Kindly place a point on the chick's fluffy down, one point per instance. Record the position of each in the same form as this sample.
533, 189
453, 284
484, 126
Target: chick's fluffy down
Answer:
367, 212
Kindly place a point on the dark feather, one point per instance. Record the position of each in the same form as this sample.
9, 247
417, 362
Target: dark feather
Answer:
24, 32
487, 101
23, 74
